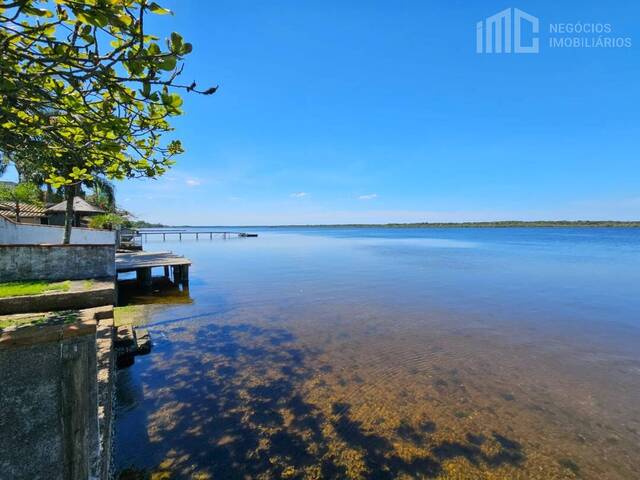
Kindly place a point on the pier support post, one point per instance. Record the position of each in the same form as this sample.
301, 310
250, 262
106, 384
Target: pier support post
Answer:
176, 274
185, 274
166, 271
181, 274
143, 276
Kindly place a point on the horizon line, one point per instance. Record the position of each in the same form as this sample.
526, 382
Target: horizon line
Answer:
634, 223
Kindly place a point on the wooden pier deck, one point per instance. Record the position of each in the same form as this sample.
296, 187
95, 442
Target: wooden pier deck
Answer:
143, 262
197, 234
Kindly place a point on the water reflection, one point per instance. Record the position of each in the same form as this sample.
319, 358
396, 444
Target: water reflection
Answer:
163, 292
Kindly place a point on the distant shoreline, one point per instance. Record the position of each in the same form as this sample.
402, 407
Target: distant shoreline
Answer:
500, 224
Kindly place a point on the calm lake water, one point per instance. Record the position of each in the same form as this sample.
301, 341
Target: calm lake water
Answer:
391, 353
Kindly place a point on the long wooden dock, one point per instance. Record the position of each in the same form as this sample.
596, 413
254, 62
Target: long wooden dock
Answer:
197, 234
143, 262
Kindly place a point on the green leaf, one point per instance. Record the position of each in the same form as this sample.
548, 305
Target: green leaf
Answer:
157, 9
38, 12
49, 31
146, 90
168, 63
125, 19
176, 43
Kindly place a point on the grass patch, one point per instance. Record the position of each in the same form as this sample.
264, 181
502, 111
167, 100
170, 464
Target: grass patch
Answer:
14, 322
88, 284
19, 289
66, 316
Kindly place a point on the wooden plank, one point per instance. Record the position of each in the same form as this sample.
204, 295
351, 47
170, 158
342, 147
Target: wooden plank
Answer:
127, 262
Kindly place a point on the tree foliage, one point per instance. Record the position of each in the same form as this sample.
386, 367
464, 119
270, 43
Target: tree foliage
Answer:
83, 81
103, 194
107, 221
19, 194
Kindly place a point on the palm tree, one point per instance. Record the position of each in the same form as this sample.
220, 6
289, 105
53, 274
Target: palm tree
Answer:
104, 193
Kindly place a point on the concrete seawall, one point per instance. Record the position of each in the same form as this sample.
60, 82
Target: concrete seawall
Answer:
56, 262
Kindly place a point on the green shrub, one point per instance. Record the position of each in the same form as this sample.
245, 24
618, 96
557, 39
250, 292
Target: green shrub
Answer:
107, 221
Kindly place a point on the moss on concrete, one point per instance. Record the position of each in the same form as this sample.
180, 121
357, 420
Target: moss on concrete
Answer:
68, 316
19, 289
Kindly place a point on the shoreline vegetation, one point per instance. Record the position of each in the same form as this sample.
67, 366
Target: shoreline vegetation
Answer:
497, 224
142, 224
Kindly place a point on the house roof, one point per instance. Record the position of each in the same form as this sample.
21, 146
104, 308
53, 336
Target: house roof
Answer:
80, 205
26, 210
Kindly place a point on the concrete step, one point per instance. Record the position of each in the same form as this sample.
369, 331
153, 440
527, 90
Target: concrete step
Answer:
131, 341
143, 341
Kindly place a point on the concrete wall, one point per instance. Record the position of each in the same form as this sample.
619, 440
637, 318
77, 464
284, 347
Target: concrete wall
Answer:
97, 296
21, 233
48, 426
56, 262
57, 394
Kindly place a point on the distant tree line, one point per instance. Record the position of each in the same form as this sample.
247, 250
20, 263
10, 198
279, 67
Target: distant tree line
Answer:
496, 224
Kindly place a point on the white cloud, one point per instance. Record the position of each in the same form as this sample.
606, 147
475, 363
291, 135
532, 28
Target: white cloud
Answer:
193, 182
299, 194
369, 196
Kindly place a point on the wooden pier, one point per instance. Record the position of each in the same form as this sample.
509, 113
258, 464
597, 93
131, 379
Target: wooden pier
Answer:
143, 262
197, 234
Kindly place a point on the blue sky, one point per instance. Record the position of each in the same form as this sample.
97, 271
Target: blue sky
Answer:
372, 111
